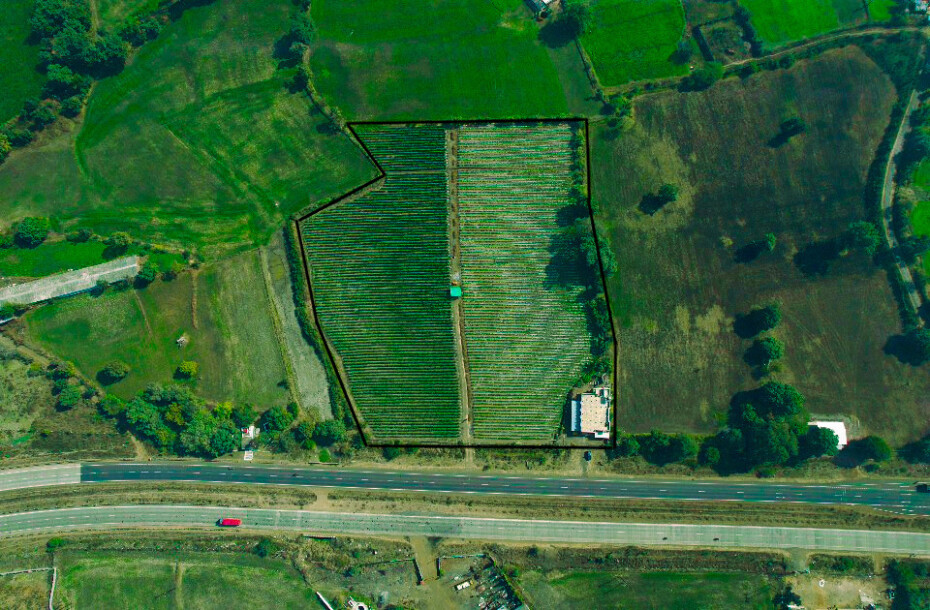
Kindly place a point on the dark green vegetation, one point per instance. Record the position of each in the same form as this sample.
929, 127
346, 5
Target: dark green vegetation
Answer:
380, 273
478, 60
227, 325
174, 158
909, 580
634, 39
19, 79
680, 285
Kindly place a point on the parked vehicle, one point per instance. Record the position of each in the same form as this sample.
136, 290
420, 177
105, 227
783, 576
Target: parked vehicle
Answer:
227, 522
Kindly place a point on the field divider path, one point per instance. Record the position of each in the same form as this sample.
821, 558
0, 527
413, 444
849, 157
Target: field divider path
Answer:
273, 304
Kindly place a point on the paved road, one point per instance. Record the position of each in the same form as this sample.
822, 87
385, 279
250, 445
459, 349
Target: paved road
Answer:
888, 189
898, 497
714, 536
40, 476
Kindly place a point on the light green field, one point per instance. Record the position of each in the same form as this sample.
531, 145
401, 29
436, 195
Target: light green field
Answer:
634, 39
231, 335
662, 591
433, 59
101, 580
782, 21
213, 153
113, 13
49, 258
920, 221
880, 10
19, 78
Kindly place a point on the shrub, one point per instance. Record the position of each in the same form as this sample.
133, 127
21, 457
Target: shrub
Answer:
187, 370
329, 432
391, 453
871, 448
69, 397
702, 78
325, 456
265, 547
147, 274
243, 415
114, 371
54, 544
276, 418
31, 231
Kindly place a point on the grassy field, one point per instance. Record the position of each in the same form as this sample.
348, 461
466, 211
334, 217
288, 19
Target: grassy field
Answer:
19, 78
920, 220
192, 581
526, 335
781, 21
679, 286
22, 400
230, 335
49, 258
473, 60
212, 154
380, 271
650, 590
634, 39
113, 13
25, 591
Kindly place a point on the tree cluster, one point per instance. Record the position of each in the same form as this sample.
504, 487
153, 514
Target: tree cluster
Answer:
702, 78
657, 447
30, 232
906, 578
757, 321
69, 41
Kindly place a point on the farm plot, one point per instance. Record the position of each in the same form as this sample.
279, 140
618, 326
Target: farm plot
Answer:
783, 21
527, 336
379, 266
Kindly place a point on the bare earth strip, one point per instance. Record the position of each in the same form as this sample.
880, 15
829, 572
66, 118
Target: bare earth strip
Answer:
70, 282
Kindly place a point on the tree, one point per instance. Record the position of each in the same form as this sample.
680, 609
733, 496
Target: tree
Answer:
817, 442
147, 274
325, 456
912, 247
329, 432
113, 371
392, 452
5, 147
119, 241
243, 415
72, 106
225, 439
627, 446
863, 236
758, 320
764, 351
303, 29
265, 547
916, 345
862, 450
303, 433
668, 193
112, 406
69, 397
702, 78
50, 16
573, 19
30, 232
786, 598
276, 418
188, 369
301, 78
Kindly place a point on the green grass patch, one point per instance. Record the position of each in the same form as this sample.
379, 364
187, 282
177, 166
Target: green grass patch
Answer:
634, 39
880, 10
19, 78
465, 61
664, 590
113, 13
679, 285
212, 154
781, 21
229, 327
50, 258
920, 221
112, 580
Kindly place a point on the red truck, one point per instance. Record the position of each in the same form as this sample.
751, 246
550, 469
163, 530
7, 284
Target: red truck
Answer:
227, 522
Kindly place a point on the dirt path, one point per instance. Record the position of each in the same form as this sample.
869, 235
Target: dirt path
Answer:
145, 317
458, 313
194, 298
275, 309
888, 189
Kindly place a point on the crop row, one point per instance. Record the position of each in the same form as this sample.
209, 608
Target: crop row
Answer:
527, 335
380, 269
405, 147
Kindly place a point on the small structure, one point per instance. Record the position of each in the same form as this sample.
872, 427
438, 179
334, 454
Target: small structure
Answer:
182, 341
248, 435
540, 5
354, 605
455, 292
590, 413
838, 428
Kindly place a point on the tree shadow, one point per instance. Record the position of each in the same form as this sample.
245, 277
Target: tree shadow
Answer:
778, 140
816, 257
564, 262
749, 252
902, 348
556, 34
111, 252
651, 203
567, 215
176, 10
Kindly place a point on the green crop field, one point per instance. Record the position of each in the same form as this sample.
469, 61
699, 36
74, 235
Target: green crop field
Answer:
49, 258
113, 580
679, 287
634, 39
652, 590
19, 78
526, 336
232, 336
466, 60
380, 275
781, 21
176, 158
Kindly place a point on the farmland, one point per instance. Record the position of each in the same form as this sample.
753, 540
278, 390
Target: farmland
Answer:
782, 21
175, 158
381, 265
466, 61
920, 220
230, 334
526, 334
380, 273
679, 285
651, 31
19, 78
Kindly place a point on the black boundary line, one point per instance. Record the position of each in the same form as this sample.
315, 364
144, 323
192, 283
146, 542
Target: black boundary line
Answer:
356, 414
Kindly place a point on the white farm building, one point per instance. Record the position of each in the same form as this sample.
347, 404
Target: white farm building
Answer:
590, 413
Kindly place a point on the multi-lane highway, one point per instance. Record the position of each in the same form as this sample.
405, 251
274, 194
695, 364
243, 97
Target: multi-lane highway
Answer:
898, 497
712, 536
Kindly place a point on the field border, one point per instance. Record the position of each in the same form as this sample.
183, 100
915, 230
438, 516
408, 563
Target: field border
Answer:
334, 362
